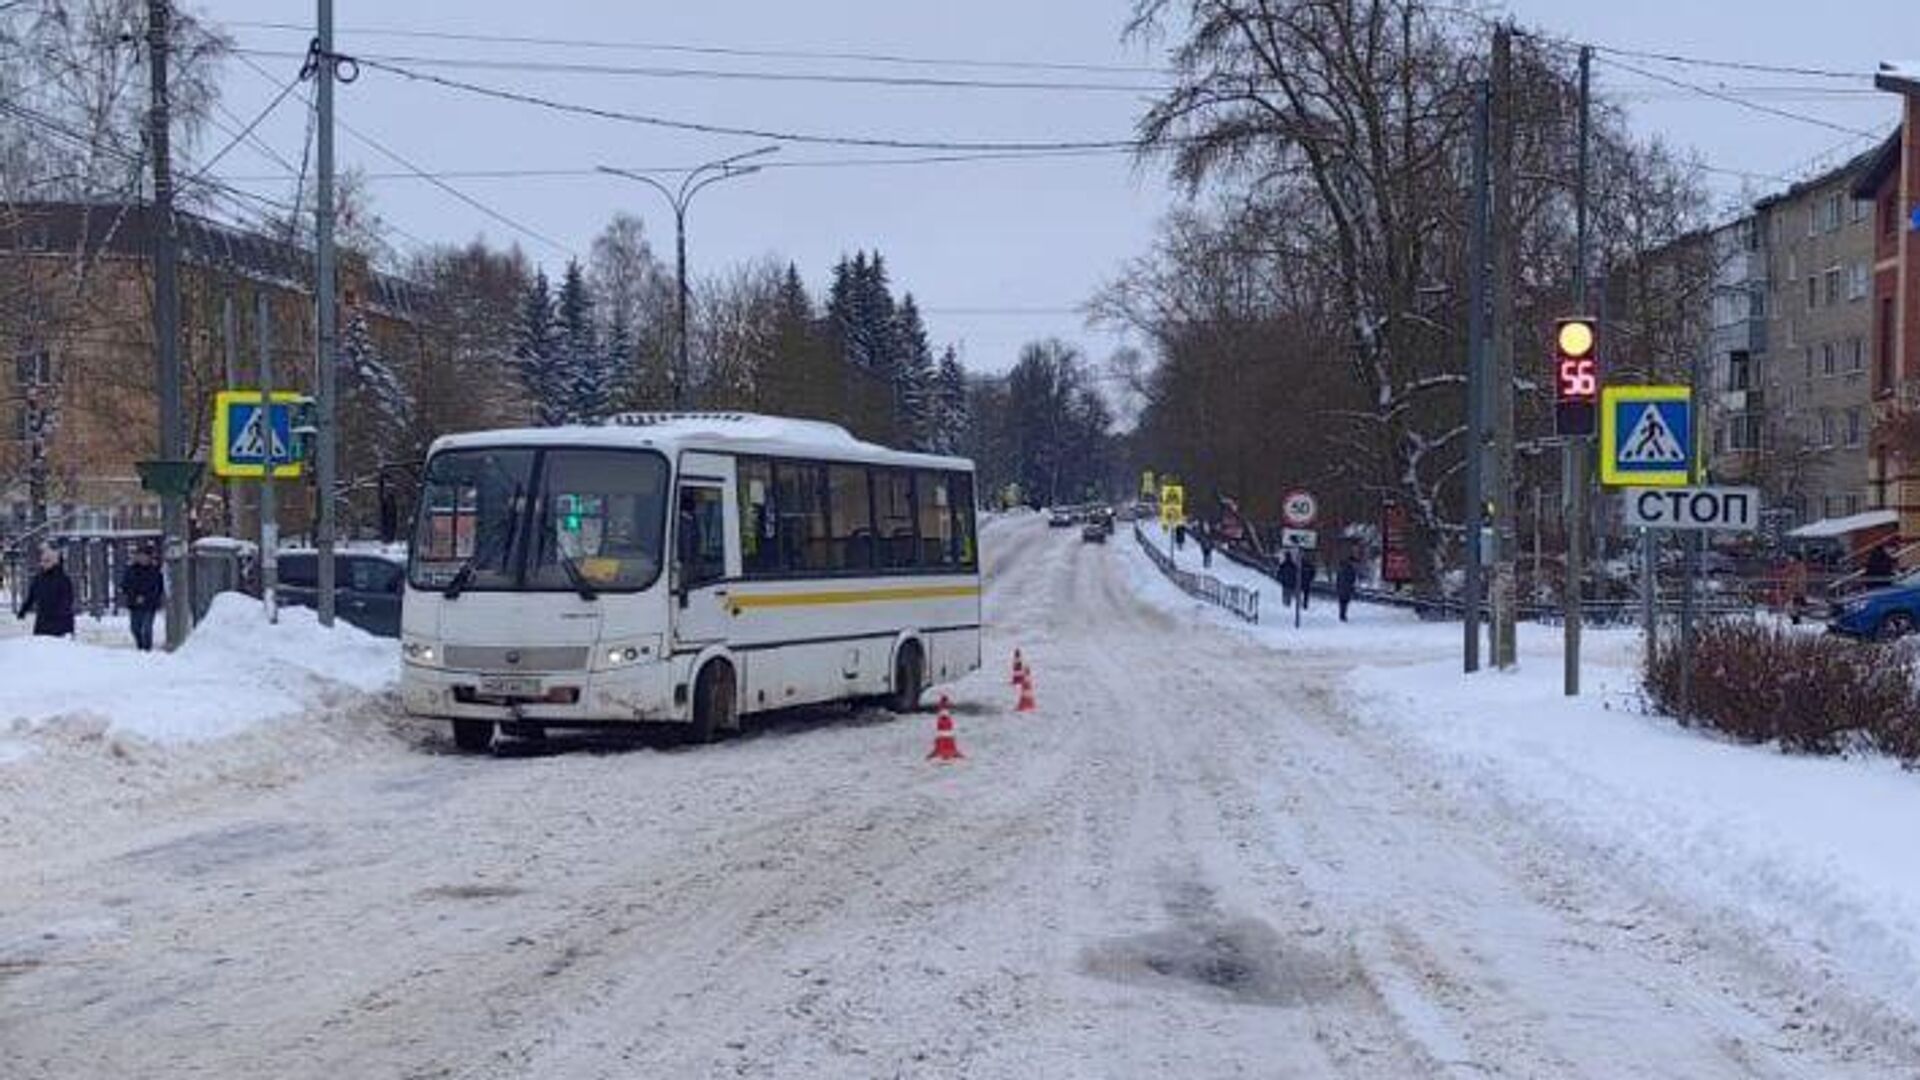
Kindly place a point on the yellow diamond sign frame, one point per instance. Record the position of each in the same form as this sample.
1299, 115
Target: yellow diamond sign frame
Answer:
232, 410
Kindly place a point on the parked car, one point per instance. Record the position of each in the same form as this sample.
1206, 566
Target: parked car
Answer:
1880, 614
367, 586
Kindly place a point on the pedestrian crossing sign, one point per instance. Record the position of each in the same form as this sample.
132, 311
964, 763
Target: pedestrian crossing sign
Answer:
246, 436
1646, 433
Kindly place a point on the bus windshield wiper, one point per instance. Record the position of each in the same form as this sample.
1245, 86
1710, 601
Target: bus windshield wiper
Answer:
579, 580
458, 583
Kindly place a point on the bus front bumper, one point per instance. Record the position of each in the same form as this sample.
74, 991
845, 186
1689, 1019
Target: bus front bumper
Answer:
636, 693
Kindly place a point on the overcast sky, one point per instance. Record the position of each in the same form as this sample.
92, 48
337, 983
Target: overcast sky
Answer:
997, 252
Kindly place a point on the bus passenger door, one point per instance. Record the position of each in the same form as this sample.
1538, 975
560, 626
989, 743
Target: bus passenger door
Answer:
702, 581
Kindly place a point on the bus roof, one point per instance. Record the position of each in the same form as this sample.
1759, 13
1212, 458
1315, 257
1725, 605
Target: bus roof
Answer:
720, 432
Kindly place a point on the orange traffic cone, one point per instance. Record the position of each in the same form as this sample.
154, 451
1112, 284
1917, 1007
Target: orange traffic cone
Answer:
1026, 692
945, 748
1019, 665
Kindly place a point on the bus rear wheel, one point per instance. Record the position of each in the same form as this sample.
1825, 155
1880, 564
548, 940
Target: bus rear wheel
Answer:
715, 706
473, 736
909, 679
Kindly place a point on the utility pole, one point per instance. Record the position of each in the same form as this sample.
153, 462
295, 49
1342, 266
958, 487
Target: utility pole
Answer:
1476, 377
1505, 533
269, 503
229, 331
1573, 456
323, 324
166, 317
679, 199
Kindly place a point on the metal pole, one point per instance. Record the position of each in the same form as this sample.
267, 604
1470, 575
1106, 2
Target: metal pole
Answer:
1694, 540
229, 333
324, 323
269, 503
1476, 378
681, 371
1649, 593
166, 319
1505, 647
1573, 459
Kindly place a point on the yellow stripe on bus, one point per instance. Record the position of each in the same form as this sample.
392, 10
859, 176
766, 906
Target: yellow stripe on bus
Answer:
853, 596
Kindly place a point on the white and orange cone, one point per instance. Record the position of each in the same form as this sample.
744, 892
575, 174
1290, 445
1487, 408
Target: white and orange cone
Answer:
945, 746
1027, 704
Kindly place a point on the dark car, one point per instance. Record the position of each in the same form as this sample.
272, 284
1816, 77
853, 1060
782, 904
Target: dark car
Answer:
1882, 614
367, 587
1095, 531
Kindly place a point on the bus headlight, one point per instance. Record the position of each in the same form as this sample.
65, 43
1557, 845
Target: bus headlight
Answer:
620, 654
423, 653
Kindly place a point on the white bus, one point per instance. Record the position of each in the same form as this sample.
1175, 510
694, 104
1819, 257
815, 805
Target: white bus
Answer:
682, 568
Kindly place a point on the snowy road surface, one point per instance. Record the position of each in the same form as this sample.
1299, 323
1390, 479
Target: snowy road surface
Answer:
1192, 862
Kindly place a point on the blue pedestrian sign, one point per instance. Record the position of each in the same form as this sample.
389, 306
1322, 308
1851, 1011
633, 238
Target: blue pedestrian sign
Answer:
1646, 433
246, 437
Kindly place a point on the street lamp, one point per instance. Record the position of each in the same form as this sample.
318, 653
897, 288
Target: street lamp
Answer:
690, 185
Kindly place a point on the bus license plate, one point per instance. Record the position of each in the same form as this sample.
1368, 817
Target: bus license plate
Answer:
510, 686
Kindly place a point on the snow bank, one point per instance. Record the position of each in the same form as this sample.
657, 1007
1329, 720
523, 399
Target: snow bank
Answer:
235, 672
1816, 850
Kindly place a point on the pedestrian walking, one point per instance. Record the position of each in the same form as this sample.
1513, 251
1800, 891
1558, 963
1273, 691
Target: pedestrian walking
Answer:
1880, 567
1205, 538
1343, 583
1307, 573
50, 598
141, 590
1289, 575
1179, 536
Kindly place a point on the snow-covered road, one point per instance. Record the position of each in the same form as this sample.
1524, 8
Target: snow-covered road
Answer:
1192, 861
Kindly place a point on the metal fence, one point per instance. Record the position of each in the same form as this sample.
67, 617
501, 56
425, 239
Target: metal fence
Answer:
1239, 600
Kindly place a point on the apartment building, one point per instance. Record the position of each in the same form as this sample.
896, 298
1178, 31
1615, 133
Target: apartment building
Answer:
1803, 378
1890, 184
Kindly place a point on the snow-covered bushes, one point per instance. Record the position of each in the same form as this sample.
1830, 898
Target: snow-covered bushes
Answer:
1760, 683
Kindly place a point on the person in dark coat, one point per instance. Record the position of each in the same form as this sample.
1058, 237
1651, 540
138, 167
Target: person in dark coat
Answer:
141, 590
1204, 536
1880, 566
1289, 575
1308, 572
1179, 536
50, 598
1343, 583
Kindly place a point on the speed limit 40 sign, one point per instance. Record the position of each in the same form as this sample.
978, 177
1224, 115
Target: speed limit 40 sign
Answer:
1298, 509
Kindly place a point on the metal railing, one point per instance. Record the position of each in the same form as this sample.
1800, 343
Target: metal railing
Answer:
1237, 599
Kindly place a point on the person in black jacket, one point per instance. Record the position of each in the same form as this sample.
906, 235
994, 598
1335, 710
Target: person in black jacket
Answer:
50, 598
141, 590
1881, 567
1308, 571
1289, 575
1343, 582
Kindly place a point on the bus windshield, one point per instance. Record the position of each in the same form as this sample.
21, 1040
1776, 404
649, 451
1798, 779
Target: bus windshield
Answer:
556, 520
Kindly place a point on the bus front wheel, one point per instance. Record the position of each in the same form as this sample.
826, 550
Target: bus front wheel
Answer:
909, 679
715, 705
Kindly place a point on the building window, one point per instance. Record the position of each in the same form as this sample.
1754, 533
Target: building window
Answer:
1853, 504
1834, 217
1739, 370
1827, 429
1809, 351
1833, 285
1859, 350
1861, 208
1829, 361
1853, 428
1889, 214
1857, 280
1813, 220
1813, 291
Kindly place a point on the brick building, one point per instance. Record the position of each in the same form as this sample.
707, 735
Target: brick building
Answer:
77, 332
1891, 182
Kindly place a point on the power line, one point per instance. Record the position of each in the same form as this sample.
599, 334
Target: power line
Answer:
246, 133
1733, 65
423, 174
646, 120
595, 172
720, 50
650, 72
1731, 99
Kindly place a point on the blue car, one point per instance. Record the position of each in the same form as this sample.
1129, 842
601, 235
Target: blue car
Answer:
1882, 614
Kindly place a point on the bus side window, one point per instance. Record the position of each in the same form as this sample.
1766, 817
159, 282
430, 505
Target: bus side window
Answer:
933, 504
800, 500
893, 518
702, 530
759, 520
961, 488
851, 515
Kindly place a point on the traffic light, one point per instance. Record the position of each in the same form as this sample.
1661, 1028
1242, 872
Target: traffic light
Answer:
1576, 363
